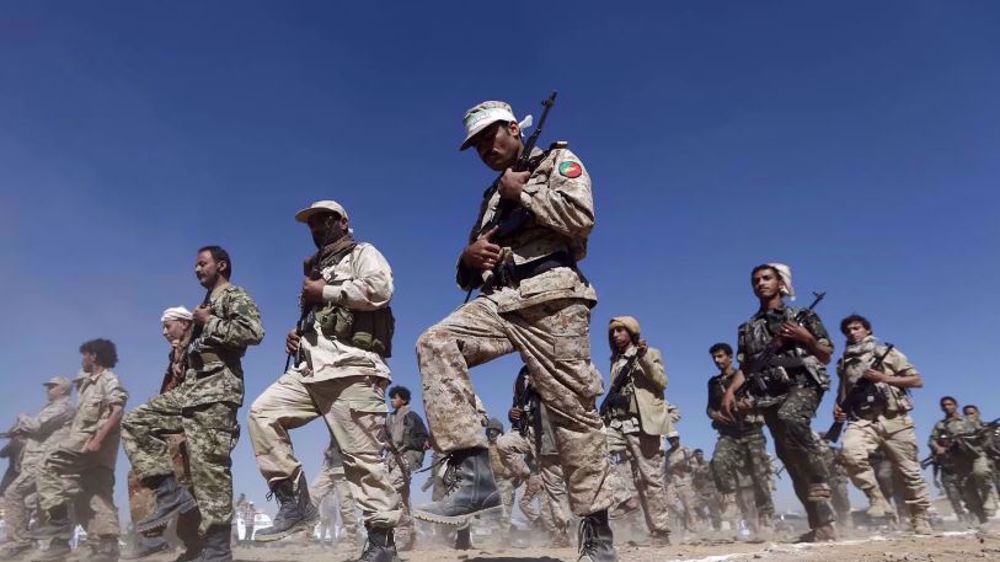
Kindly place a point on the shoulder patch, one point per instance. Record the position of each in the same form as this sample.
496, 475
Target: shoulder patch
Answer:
570, 169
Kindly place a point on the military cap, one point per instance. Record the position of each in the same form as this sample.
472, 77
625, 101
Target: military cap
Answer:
61, 382
325, 206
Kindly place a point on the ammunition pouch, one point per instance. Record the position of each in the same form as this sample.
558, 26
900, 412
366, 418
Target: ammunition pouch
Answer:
370, 330
865, 401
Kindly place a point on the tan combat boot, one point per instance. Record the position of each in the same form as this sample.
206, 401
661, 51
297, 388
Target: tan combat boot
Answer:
920, 524
878, 507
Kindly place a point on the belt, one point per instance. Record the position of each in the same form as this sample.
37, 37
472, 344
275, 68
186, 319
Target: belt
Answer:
512, 275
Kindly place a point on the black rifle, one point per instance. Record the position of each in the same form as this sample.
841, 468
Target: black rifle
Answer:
614, 396
509, 217
306, 318
198, 328
863, 395
756, 379
930, 460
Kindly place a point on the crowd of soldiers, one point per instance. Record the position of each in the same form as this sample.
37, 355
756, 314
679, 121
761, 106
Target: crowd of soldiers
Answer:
571, 459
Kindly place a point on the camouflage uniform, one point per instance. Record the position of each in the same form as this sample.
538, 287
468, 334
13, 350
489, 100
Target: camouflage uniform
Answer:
69, 475
50, 426
709, 502
835, 462
331, 484
408, 436
337, 379
969, 464
202, 408
680, 493
741, 449
542, 313
787, 411
884, 424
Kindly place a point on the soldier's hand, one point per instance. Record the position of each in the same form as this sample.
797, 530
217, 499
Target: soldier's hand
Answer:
511, 183
641, 348
795, 332
292, 342
515, 414
202, 314
839, 414
482, 255
312, 290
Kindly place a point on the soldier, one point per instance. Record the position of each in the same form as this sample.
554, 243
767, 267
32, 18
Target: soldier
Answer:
971, 412
709, 502
876, 404
203, 409
340, 374
408, 443
954, 444
50, 426
331, 485
506, 481
635, 413
679, 470
80, 470
835, 464
797, 374
741, 447
533, 300
532, 436
177, 326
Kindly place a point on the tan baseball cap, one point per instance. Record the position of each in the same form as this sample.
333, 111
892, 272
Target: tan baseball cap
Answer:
325, 206
58, 381
483, 115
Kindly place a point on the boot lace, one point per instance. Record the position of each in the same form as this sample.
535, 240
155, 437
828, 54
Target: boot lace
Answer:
586, 538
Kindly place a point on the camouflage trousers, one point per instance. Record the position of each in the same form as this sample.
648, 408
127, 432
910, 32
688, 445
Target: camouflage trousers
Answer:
354, 410
19, 501
210, 432
974, 480
645, 455
799, 450
401, 481
512, 448
744, 454
553, 340
331, 483
79, 481
682, 500
951, 485
897, 439
142, 500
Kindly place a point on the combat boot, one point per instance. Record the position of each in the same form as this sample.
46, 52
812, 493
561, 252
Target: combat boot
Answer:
823, 533
187, 533
216, 546
471, 491
104, 549
595, 541
56, 526
57, 551
560, 538
171, 499
380, 547
878, 507
920, 524
297, 512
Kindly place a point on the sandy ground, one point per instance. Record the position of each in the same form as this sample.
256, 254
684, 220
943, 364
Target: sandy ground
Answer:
942, 547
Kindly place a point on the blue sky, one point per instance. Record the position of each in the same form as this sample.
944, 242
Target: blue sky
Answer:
855, 141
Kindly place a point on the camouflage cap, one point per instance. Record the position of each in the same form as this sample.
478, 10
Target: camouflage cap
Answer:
325, 206
487, 113
62, 382
494, 424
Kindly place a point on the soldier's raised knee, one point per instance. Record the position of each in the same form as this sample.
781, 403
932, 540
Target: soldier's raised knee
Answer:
433, 342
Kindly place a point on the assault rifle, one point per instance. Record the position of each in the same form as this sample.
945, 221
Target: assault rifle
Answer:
862, 396
757, 380
509, 217
614, 396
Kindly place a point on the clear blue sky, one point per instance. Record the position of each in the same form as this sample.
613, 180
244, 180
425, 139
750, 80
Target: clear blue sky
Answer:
856, 141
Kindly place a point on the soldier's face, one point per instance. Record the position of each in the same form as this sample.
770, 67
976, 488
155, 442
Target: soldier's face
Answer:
971, 413
492, 435
722, 360
54, 392
206, 269
856, 332
498, 145
396, 402
87, 362
173, 330
621, 338
326, 228
949, 407
766, 283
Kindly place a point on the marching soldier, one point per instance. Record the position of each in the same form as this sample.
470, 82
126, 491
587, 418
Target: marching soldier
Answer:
741, 447
873, 398
794, 380
636, 415
203, 409
954, 442
79, 471
680, 493
533, 300
41, 432
340, 374
331, 485
408, 438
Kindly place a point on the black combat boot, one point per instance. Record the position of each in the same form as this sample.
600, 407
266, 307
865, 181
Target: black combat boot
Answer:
297, 512
171, 499
187, 533
216, 546
594, 539
471, 490
380, 546
56, 526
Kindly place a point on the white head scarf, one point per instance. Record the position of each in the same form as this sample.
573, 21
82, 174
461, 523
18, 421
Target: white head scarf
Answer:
176, 313
785, 273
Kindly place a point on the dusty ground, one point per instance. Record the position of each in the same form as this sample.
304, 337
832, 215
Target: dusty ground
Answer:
942, 547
